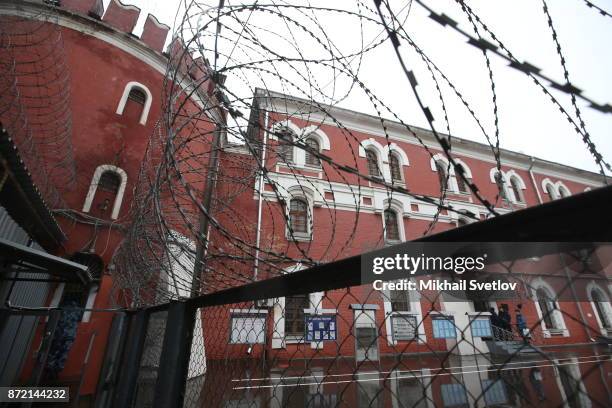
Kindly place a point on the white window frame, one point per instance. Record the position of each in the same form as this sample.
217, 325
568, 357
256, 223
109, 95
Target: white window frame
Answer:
396, 206
453, 186
147, 104
93, 188
414, 298
557, 315
467, 173
300, 135
513, 175
562, 187
279, 339
607, 308
304, 194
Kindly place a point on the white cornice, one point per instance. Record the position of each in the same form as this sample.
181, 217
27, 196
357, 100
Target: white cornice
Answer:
371, 125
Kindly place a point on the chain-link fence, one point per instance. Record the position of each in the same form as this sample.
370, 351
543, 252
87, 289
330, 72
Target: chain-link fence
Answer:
306, 340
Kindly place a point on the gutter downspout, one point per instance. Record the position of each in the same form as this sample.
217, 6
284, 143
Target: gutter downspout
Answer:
199, 266
260, 193
535, 185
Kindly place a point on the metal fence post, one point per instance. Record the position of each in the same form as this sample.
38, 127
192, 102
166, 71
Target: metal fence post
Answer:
174, 364
131, 360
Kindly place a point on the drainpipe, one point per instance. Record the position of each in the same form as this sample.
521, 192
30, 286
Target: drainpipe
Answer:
535, 185
211, 179
260, 185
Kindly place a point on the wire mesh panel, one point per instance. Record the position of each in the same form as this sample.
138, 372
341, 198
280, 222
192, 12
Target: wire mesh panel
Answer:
149, 364
361, 347
257, 174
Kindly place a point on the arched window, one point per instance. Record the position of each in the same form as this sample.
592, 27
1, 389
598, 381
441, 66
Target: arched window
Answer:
391, 226
442, 174
499, 181
110, 181
547, 307
394, 165
373, 167
139, 95
550, 189
516, 189
599, 305
563, 192
285, 145
298, 215
311, 159
461, 184
106, 191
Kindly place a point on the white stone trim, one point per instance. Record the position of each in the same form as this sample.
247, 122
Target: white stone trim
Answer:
279, 339
356, 121
316, 132
285, 123
605, 305
301, 193
398, 208
93, 187
466, 168
394, 148
452, 181
414, 298
547, 182
557, 315
560, 186
147, 104
371, 143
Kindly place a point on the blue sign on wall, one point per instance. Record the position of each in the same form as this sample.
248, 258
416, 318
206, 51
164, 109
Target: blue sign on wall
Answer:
320, 328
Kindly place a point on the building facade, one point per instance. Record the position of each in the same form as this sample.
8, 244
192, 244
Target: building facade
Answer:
303, 207
315, 205
113, 92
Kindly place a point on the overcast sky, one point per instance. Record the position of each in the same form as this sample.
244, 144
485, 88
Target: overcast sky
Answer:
529, 123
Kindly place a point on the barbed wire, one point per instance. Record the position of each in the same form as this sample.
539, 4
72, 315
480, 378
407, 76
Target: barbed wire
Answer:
36, 110
599, 9
35, 100
269, 64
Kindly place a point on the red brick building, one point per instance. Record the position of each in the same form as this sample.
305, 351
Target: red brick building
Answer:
357, 215
116, 92
115, 98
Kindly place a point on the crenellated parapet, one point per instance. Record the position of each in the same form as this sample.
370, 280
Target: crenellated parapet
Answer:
155, 33
122, 17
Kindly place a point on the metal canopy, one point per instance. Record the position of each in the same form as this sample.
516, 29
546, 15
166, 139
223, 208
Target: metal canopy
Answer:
22, 199
16, 254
